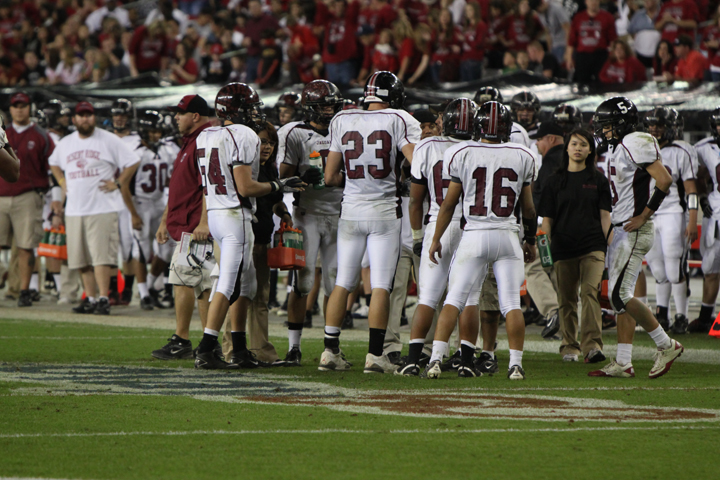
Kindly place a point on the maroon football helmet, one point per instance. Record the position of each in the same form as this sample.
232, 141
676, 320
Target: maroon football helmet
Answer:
319, 94
239, 103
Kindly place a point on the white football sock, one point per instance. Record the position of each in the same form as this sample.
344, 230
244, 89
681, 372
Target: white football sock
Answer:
294, 338
439, 350
143, 290
660, 338
516, 357
624, 353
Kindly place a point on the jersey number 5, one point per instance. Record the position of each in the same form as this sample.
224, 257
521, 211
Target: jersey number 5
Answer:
479, 209
383, 153
214, 173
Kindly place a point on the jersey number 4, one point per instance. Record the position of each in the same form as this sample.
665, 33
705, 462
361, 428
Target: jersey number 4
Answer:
383, 153
479, 209
214, 173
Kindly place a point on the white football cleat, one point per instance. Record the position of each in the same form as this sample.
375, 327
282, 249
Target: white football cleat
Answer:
381, 364
614, 369
330, 361
665, 358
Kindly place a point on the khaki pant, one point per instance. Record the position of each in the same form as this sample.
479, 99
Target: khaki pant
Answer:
585, 271
541, 287
71, 285
257, 322
21, 219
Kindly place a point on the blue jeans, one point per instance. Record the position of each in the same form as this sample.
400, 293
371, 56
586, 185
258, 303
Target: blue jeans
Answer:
470, 70
251, 66
340, 73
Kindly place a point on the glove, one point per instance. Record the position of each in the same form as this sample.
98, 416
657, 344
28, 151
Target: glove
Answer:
706, 208
405, 188
287, 185
312, 176
417, 247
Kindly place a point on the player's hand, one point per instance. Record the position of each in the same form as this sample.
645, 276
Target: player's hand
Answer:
691, 233
706, 208
201, 233
137, 222
417, 247
635, 223
435, 247
108, 186
312, 176
529, 252
289, 185
162, 234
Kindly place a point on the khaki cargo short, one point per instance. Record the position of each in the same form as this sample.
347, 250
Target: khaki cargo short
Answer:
92, 240
196, 278
21, 216
489, 294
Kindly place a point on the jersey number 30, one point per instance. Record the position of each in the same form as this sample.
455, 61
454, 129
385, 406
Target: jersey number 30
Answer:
214, 173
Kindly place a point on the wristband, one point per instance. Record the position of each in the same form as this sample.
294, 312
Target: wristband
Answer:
656, 199
692, 201
274, 187
117, 184
417, 235
529, 229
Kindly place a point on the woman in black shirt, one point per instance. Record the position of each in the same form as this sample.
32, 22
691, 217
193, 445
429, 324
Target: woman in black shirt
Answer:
576, 204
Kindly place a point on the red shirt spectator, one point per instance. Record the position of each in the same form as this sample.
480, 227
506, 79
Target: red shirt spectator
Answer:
622, 66
256, 24
33, 147
691, 64
378, 15
664, 60
148, 48
589, 33
384, 57
677, 17
711, 38
302, 45
340, 33
473, 45
416, 10
521, 27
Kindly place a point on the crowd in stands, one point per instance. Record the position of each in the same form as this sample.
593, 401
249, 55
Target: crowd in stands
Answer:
267, 42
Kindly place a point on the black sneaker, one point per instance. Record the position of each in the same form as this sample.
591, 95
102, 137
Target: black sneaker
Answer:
664, 322
167, 299
487, 364
155, 296
25, 299
608, 320
412, 370
680, 327
212, 361
292, 359
102, 307
422, 363
452, 363
697, 326
114, 297
403, 319
247, 359
469, 370
273, 305
34, 295
531, 315
147, 303
516, 372
85, 307
308, 320
347, 323
125, 297
552, 326
174, 350
394, 357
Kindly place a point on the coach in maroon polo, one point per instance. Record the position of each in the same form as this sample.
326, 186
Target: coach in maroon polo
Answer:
21, 202
186, 213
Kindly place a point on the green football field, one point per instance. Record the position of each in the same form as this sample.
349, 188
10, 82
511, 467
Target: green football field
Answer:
86, 400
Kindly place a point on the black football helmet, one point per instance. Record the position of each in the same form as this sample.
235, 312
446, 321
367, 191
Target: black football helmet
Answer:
239, 103
458, 119
290, 100
679, 124
523, 101
618, 113
714, 122
488, 94
49, 114
148, 121
662, 117
493, 121
319, 94
568, 117
124, 107
384, 87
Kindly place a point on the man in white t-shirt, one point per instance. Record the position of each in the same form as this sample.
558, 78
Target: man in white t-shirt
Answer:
84, 164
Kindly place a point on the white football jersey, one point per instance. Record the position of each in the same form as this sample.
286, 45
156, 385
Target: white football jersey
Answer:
369, 142
427, 169
219, 150
630, 183
296, 141
132, 140
492, 177
518, 134
154, 171
709, 156
678, 162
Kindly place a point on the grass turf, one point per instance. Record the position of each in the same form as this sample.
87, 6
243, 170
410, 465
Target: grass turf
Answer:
40, 424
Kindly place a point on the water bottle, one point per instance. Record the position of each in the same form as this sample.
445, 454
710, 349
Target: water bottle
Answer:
316, 162
543, 244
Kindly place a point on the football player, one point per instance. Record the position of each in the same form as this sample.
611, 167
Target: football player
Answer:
228, 157
428, 181
367, 143
525, 108
673, 234
518, 133
634, 163
569, 117
316, 211
500, 175
288, 108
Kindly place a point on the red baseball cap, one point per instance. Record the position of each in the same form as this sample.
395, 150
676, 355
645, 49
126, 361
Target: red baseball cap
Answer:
192, 104
216, 49
20, 97
84, 107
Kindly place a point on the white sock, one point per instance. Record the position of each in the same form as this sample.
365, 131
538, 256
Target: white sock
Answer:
624, 353
332, 330
209, 331
91, 299
492, 354
660, 338
679, 293
516, 357
58, 281
34, 285
662, 294
439, 350
143, 290
294, 338
151, 280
